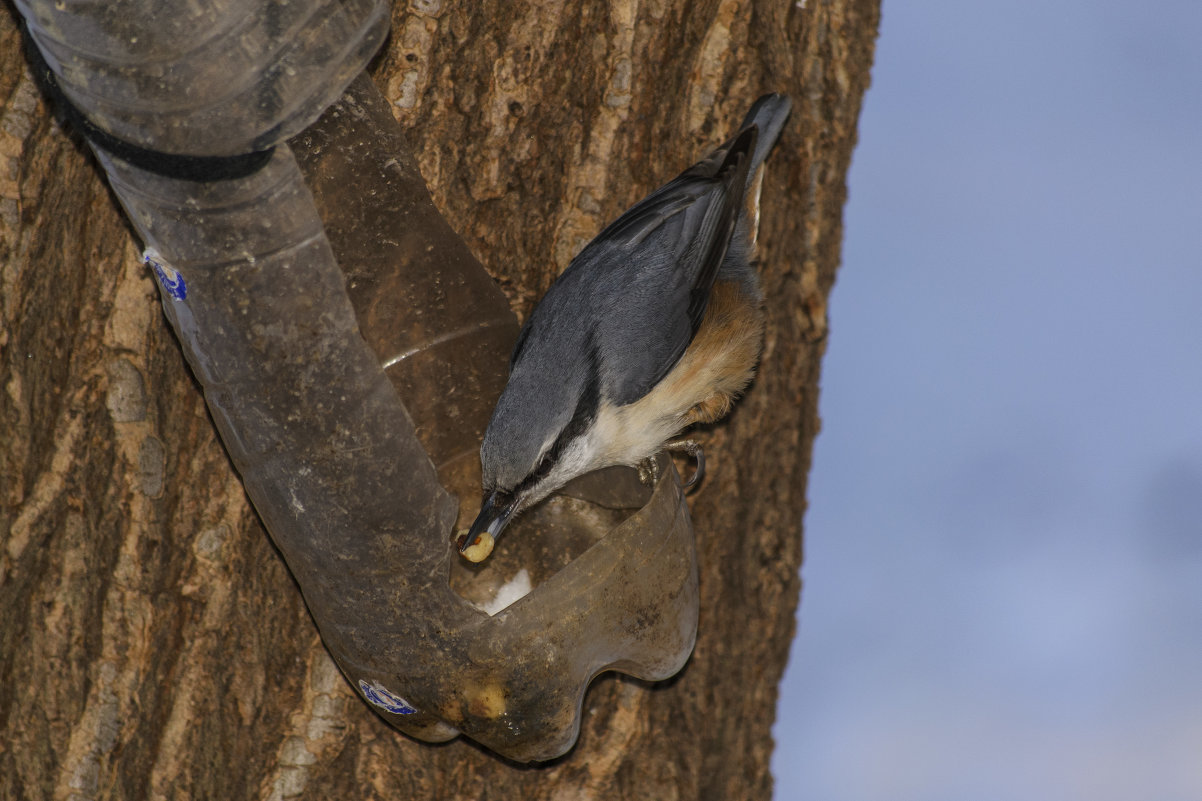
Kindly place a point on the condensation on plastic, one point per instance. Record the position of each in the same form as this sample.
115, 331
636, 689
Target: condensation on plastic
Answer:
204, 77
345, 463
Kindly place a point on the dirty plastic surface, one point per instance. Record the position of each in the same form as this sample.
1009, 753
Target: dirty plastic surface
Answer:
347, 464
205, 77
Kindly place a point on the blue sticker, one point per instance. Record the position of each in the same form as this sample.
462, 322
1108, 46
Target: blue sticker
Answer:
169, 278
376, 694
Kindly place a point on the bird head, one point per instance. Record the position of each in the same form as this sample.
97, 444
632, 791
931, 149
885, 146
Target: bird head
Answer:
540, 437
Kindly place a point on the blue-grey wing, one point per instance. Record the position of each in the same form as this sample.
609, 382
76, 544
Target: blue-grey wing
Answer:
638, 292
655, 268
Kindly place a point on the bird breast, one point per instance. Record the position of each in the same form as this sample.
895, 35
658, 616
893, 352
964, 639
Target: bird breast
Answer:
711, 373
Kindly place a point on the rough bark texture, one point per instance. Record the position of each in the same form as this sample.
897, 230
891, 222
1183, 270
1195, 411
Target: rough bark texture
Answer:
153, 644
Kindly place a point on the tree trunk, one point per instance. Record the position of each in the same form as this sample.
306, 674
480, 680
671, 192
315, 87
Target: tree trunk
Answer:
154, 644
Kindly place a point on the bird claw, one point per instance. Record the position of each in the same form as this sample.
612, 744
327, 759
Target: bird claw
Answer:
649, 467
695, 452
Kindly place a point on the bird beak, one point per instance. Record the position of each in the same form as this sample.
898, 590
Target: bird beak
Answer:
494, 515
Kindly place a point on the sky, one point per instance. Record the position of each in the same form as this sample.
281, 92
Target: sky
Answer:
1003, 578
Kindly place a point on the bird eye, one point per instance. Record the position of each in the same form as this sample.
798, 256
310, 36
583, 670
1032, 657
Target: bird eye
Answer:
546, 462
544, 465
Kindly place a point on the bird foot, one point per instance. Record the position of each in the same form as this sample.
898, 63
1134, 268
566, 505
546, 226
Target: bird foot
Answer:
649, 467
648, 471
694, 451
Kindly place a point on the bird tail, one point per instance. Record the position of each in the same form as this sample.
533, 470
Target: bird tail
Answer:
768, 114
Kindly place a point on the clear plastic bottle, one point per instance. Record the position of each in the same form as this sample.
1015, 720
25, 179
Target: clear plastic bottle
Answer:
337, 465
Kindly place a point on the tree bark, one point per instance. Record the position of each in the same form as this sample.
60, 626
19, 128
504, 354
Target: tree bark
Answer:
154, 645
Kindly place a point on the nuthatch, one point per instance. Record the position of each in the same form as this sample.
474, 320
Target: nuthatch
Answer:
657, 324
